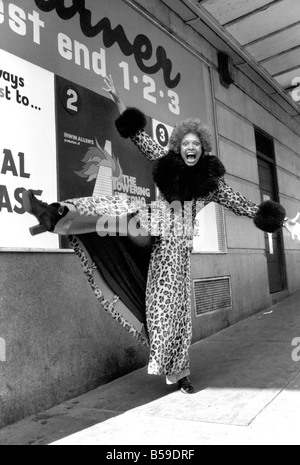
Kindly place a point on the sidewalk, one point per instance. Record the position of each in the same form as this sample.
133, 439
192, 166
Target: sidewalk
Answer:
247, 392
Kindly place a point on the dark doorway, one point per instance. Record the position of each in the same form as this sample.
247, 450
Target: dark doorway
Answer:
269, 191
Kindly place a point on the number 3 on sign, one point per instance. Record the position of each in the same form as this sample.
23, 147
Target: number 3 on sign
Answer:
174, 105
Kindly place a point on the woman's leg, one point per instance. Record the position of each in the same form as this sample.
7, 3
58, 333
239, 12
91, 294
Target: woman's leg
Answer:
112, 215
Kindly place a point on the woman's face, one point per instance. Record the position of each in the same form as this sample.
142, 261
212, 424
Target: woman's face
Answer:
191, 149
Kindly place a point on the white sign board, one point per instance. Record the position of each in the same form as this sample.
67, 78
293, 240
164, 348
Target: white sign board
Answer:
27, 148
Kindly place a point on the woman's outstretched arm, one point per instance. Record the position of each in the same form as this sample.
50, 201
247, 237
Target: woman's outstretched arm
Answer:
269, 216
131, 123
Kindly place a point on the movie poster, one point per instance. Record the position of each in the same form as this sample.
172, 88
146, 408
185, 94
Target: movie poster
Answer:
93, 159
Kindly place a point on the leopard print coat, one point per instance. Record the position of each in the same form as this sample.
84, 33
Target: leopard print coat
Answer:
168, 294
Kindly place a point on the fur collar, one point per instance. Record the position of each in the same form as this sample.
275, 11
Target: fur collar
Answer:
177, 181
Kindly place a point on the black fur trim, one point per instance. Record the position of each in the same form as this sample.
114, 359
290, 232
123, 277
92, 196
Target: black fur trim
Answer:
269, 216
130, 122
177, 181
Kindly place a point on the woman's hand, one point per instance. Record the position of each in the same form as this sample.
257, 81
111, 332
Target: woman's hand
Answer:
112, 90
293, 227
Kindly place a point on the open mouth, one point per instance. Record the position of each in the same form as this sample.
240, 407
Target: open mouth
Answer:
191, 157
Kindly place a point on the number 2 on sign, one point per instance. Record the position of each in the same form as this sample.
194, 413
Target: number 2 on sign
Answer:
150, 89
72, 100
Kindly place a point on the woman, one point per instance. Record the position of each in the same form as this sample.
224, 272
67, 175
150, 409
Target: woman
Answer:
188, 178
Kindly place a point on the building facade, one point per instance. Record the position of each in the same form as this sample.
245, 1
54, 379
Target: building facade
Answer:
56, 340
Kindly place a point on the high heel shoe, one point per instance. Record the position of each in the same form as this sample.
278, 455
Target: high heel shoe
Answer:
186, 386
38, 229
46, 214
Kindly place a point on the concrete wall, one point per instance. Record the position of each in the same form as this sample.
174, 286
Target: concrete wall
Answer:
59, 343
237, 113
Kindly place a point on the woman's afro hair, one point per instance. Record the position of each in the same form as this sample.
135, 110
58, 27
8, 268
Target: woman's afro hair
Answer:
191, 126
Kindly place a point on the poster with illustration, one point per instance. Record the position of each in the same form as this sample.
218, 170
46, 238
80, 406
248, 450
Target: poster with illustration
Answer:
93, 159
27, 148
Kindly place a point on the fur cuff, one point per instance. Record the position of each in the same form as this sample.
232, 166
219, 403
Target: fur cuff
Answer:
269, 216
130, 122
